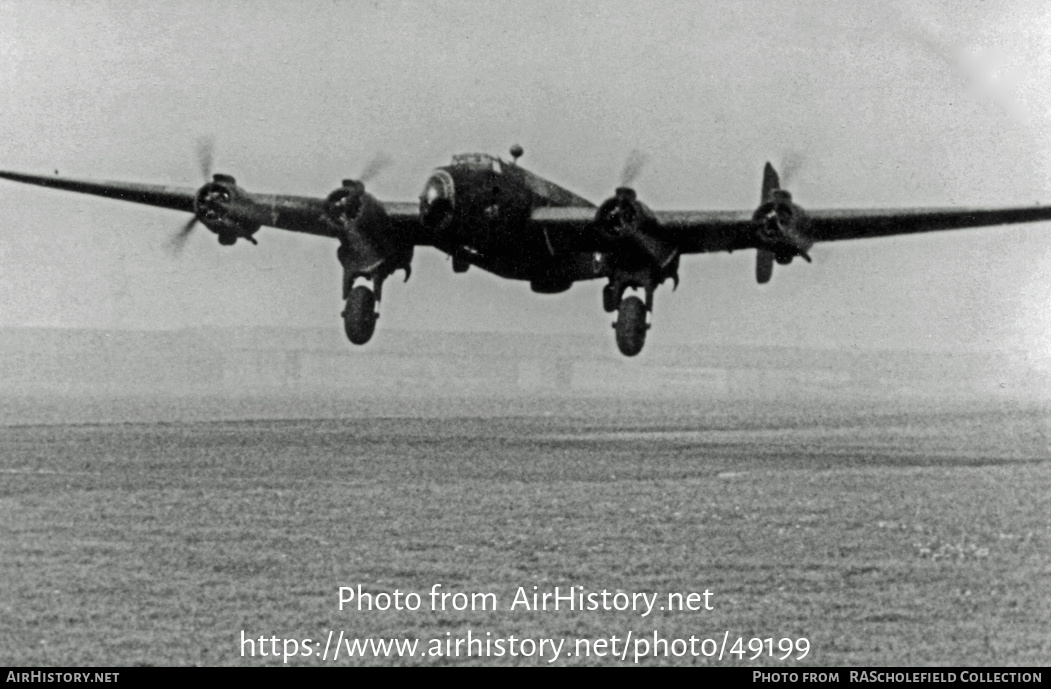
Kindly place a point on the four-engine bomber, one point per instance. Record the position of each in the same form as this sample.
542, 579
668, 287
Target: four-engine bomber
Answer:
499, 217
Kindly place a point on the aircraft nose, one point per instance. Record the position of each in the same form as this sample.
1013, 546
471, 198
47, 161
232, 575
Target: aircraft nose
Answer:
438, 200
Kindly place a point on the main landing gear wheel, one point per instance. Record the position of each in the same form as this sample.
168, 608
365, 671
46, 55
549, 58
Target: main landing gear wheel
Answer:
631, 326
359, 318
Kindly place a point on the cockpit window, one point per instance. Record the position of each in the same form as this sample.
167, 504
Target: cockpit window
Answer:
439, 186
438, 200
478, 161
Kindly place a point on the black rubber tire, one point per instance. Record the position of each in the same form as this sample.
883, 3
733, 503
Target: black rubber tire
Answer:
359, 318
631, 326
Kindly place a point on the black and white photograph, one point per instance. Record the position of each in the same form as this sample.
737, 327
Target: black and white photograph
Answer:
345, 333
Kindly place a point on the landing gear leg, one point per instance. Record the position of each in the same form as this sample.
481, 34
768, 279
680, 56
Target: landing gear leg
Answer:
359, 316
632, 312
631, 325
363, 278
611, 294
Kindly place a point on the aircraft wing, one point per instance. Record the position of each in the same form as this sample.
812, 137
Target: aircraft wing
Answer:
175, 198
712, 231
292, 213
836, 224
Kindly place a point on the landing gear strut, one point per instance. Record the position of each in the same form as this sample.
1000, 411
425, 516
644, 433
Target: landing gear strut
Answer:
366, 263
631, 325
359, 318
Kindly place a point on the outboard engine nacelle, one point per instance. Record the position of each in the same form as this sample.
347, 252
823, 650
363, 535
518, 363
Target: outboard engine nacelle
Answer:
780, 228
780, 224
225, 209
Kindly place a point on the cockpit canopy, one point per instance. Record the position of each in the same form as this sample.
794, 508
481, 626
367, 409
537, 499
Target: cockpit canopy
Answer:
479, 161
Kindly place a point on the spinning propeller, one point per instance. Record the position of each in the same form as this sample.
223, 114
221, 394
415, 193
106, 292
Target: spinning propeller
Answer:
633, 166
205, 159
779, 221
792, 163
375, 165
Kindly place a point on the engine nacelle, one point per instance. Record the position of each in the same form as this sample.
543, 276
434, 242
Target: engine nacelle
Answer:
781, 227
627, 225
225, 209
369, 246
622, 216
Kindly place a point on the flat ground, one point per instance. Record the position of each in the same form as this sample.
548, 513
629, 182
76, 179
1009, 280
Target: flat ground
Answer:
906, 537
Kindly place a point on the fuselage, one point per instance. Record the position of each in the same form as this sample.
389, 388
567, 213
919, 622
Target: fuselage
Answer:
478, 209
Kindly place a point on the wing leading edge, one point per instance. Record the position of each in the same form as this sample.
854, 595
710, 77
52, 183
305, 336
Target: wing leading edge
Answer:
837, 224
569, 228
175, 198
714, 231
293, 213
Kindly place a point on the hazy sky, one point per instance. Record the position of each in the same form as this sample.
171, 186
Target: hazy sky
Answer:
922, 103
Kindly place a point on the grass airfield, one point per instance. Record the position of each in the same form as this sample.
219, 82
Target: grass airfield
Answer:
899, 535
